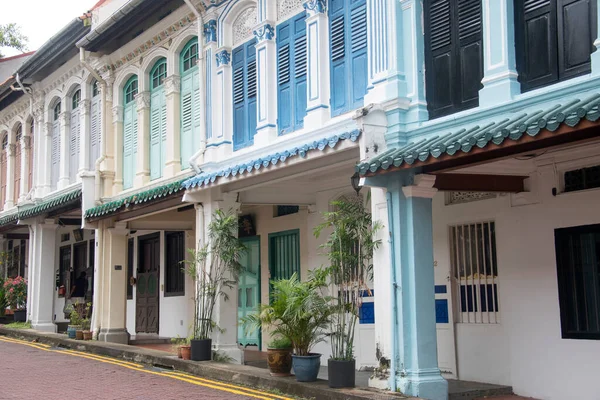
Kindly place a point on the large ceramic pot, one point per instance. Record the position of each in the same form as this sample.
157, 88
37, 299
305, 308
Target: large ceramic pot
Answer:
201, 349
78, 334
87, 335
186, 352
279, 361
72, 331
341, 373
307, 367
20, 316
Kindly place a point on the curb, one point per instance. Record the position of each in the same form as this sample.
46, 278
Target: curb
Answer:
231, 373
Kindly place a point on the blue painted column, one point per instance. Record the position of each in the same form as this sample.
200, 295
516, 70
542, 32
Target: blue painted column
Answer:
317, 36
416, 364
500, 83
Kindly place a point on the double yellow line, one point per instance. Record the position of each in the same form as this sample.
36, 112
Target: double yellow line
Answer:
180, 376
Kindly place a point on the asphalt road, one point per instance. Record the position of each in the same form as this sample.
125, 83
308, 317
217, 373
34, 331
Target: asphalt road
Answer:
37, 371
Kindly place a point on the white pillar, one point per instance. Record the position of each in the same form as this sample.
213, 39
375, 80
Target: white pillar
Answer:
500, 83
26, 150
114, 325
85, 136
45, 161
39, 174
317, 96
142, 171
10, 173
117, 122
266, 59
65, 127
43, 276
173, 144
210, 51
221, 142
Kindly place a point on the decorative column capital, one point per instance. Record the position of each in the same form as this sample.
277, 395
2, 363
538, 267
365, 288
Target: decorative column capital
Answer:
27, 142
264, 32
12, 147
117, 113
423, 187
210, 31
49, 128
84, 106
172, 84
142, 100
65, 118
223, 57
316, 6
38, 111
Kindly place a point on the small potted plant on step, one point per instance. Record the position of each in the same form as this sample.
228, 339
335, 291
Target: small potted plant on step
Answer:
279, 356
214, 268
16, 297
177, 342
74, 322
186, 349
86, 323
349, 248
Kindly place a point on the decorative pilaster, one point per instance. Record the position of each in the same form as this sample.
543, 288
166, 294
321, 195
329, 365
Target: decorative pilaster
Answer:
220, 141
210, 51
317, 36
84, 140
173, 144
65, 128
142, 174
107, 135
117, 123
500, 83
39, 177
45, 160
25, 154
266, 110
10, 175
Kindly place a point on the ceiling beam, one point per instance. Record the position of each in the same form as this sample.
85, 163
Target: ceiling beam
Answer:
480, 183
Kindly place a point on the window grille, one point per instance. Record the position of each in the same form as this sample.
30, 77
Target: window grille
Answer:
475, 271
582, 179
76, 99
280, 211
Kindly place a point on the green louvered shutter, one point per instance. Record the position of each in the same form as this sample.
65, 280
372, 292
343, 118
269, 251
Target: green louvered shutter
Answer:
163, 131
156, 134
129, 117
284, 254
187, 118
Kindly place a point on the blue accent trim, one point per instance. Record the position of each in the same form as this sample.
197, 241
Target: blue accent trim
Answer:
366, 313
440, 289
218, 144
210, 31
265, 32
206, 178
317, 107
223, 58
441, 311
318, 6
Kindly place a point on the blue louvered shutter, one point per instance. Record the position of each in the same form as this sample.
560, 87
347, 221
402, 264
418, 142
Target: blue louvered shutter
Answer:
187, 119
291, 74
348, 42
244, 95
129, 144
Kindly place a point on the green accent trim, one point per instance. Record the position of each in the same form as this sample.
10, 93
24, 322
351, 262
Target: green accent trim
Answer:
188, 56
158, 74
272, 271
51, 204
511, 128
245, 241
9, 219
130, 90
115, 206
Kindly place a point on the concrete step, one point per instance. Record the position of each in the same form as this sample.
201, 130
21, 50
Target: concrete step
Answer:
466, 390
148, 339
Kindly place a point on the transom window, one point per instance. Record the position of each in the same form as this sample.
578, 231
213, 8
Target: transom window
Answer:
159, 73
76, 99
190, 55
95, 89
57, 111
131, 90
473, 261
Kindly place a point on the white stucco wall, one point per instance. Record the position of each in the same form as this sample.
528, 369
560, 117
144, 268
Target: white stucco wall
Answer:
525, 350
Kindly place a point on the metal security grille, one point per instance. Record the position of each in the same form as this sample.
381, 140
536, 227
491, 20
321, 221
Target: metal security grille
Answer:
582, 179
475, 272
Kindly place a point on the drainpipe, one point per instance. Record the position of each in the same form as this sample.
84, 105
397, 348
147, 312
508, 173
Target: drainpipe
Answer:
202, 89
102, 157
393, 360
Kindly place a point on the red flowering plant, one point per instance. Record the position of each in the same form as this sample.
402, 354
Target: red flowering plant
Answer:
16, 293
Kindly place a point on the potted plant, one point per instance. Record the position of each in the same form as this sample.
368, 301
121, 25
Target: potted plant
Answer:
186, 350
349, 247
214, 268
74, 322
177, 342
300, 312
86, 323
279, 356
16, 297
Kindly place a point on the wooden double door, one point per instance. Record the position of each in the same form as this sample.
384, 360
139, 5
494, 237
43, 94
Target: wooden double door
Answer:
147, 287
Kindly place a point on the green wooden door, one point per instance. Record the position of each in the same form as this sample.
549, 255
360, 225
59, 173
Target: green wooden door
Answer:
249, 291
284, 254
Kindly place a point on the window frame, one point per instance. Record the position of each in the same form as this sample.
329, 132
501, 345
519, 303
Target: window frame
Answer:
189, 54
130, 90
180, 283
158, 74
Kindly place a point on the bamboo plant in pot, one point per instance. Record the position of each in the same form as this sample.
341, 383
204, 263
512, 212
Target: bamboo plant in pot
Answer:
215, 269
299, 311
349, 247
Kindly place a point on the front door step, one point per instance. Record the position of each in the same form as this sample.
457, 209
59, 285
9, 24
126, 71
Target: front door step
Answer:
466, 390
148, 339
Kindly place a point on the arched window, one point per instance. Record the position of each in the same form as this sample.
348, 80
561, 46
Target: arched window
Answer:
158, 119
3, 172
74, 136
190, 99
17, 188
55, 150
130, 133
95, 124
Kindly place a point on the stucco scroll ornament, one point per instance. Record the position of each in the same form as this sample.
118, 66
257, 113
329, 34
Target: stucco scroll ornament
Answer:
12, 149
142, 100
38, 111
318, 6
210, 31
223, 58
117, 113
65, 118
27, 142
172, 84
84, 106
265, 32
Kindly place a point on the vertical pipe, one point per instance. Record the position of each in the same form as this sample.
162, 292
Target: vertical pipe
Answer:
393, 359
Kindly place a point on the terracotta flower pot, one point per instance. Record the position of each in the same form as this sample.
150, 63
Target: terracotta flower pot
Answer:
179, 352
186, 352
78, 335
279, 361
87, 335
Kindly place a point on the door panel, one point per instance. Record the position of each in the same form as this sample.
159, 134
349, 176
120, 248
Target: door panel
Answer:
147, 298
249, 291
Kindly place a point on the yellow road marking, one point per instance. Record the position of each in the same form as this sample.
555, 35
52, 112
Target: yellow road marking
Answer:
224, 387
224, 384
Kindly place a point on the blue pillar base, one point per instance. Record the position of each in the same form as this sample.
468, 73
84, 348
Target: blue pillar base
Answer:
425, 383
499, 91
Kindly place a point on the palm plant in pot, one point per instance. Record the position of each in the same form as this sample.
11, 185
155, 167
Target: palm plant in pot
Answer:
215, 269
298, 311
349, 248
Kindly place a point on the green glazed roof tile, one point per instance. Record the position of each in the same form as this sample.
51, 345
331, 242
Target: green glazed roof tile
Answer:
135, 199
9, 218
512, 128
50, 204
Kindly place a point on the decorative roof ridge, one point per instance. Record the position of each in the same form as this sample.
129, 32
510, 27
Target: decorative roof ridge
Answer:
51, 202
257, 163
